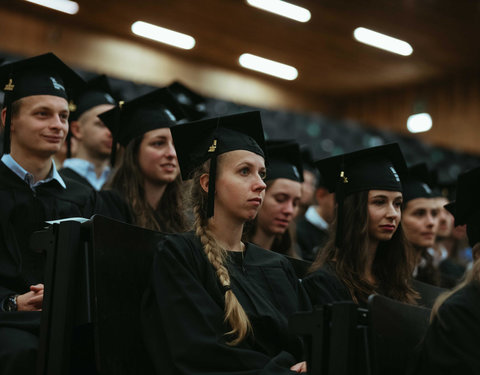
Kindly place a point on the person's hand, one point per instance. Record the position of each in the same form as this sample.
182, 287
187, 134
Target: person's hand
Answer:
32, 300
299, 367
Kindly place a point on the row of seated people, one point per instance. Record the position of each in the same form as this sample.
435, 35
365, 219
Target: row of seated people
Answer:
218, 302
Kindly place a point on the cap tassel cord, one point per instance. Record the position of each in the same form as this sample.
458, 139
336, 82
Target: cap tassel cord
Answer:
211, 179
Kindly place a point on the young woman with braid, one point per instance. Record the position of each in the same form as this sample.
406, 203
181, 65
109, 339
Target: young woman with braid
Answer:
217, 304
452, 345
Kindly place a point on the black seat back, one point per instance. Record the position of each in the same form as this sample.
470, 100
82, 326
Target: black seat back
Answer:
395, 331
122, 257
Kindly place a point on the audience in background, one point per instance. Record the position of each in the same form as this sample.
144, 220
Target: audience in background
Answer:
313, 227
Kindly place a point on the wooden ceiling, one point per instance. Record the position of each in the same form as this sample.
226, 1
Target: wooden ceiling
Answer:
443, 33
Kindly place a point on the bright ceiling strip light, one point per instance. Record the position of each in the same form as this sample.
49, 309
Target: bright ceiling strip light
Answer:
65, 6
282, 8
162, 35
419, 123
382, 41
267, 66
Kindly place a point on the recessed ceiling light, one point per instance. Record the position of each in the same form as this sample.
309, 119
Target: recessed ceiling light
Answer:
419, 123
65, 6
282, 8
163, 35
382, 41
267, 66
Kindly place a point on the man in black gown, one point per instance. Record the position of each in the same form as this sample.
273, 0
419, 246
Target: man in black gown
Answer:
90, 165
31, 191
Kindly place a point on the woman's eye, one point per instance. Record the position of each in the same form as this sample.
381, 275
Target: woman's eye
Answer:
244, 171
158, 143
263, 175
398, 204
378, 202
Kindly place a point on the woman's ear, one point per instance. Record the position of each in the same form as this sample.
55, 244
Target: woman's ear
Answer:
204, 178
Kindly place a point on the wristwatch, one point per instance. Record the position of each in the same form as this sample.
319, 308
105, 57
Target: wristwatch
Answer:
10, 303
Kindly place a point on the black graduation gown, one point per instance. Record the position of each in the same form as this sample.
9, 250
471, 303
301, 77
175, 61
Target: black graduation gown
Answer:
23, 211
452, 342
70, 173
310, 239
114, 206
183, 311
324, 287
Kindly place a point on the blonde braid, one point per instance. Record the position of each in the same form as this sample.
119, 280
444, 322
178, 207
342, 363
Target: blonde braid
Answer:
234, 313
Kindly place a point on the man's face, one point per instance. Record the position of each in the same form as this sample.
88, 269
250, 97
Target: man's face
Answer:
40, 126
95, 138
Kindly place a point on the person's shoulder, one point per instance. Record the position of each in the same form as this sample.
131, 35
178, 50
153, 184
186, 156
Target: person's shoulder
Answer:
75, 191
184, 243
464, 299
325, 272
264, 256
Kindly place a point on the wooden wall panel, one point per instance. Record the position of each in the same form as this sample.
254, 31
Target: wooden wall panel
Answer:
454, 105
26, 35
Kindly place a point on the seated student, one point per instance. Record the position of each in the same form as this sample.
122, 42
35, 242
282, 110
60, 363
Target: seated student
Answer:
148, 175
217, 304
366, 252
31, 191
90, 166
420, 222
312, 229
452, 345
270, 230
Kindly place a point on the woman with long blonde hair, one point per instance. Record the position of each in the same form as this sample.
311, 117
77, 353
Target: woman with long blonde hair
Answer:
452, 342
217, 304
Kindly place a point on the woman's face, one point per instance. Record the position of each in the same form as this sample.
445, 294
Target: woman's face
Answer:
420, 221
281, 205
384, 213
239, 188
157, 157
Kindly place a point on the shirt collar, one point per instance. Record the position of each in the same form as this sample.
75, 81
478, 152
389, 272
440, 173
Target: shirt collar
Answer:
27, 177
315, 219
86, 169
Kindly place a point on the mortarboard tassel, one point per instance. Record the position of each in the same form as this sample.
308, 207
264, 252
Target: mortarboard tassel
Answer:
340, 197
8, 116
212, 175
115, 132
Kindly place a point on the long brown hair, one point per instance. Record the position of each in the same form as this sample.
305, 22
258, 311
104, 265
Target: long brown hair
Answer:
391, 266
234, 313
128, 180
473, 275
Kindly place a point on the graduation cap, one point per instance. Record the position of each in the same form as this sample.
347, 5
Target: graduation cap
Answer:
193, 104
284, 160
40, 75
375, 168
416, 183
198, 141
157, 109
307, 159
466, 208
96, 92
